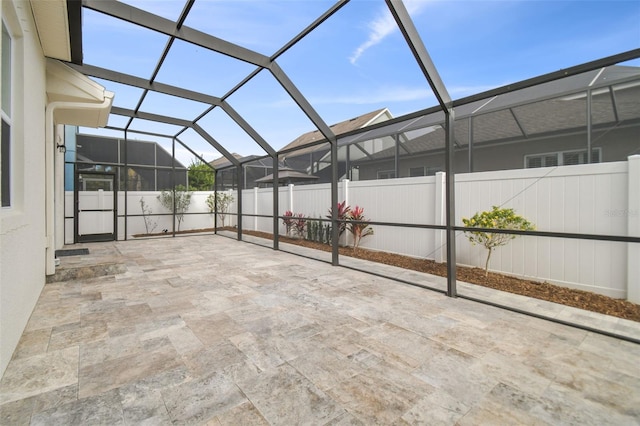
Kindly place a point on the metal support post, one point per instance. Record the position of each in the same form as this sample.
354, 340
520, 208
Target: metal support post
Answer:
215, 202
240, 179
126, 185
589, 126
450, 205
276, 203
173, 184
335, 234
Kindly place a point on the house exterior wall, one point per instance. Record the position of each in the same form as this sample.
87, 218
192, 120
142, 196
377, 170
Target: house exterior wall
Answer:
615, 144
22, 226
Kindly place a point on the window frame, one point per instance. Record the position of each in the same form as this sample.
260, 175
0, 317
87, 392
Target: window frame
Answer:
7, 200
560, 157
391, 174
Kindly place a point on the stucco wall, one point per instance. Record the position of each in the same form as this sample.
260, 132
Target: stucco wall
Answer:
22, 226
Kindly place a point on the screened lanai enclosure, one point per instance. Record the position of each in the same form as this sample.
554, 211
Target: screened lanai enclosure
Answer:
264, 123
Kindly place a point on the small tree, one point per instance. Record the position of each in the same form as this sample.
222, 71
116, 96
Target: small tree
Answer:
201, 176
149, 223
182, 201
219, 204
358, 230
497, 218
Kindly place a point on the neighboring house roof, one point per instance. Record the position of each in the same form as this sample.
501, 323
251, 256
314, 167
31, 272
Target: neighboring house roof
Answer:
309, 137
287, 176
558, 106
338, 129
223, 162
533, 114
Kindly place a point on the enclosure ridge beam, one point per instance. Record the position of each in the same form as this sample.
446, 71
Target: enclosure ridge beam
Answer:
410, 33
206, 136
240, 121
141, 83
165, 26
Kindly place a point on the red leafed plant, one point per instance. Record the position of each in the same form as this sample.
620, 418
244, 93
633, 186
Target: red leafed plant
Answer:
295, 221
359, 230
300, 224
288, 221
343, 214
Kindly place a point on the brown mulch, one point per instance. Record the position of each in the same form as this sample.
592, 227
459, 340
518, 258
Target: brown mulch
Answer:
539, 290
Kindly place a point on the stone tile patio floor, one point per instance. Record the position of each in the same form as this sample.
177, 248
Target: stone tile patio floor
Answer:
208, 330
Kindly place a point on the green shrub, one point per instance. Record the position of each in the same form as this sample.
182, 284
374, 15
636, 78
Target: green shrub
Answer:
497, 218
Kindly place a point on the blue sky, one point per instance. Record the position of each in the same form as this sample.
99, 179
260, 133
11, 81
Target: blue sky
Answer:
354, 63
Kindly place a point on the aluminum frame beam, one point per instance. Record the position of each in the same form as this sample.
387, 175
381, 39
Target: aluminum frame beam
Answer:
167, 89
178, 122
410, 33
141, 83
150, 116
326, 131
165, 26
240, 121
336, 7
214, 143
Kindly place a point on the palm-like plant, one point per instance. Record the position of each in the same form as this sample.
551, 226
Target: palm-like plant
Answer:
343, 212
358, 230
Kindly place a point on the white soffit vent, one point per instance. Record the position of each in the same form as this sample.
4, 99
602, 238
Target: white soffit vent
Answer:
52, 23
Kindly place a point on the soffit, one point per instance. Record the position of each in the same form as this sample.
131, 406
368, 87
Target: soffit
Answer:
52, 23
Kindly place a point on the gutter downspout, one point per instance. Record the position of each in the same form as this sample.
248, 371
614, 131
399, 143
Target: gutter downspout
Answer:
50, 171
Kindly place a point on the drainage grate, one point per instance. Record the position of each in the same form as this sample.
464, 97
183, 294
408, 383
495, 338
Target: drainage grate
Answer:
72, 252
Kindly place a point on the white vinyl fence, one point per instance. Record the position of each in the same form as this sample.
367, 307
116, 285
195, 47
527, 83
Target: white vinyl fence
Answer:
587, 199
196, 217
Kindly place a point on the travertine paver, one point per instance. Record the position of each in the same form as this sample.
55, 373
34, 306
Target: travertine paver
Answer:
208, 330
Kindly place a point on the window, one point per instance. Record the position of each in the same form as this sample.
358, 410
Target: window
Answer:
386, 174
416, 171
566, 158
6, 117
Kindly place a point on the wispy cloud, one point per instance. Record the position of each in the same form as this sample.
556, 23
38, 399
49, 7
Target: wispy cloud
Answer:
383, 26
